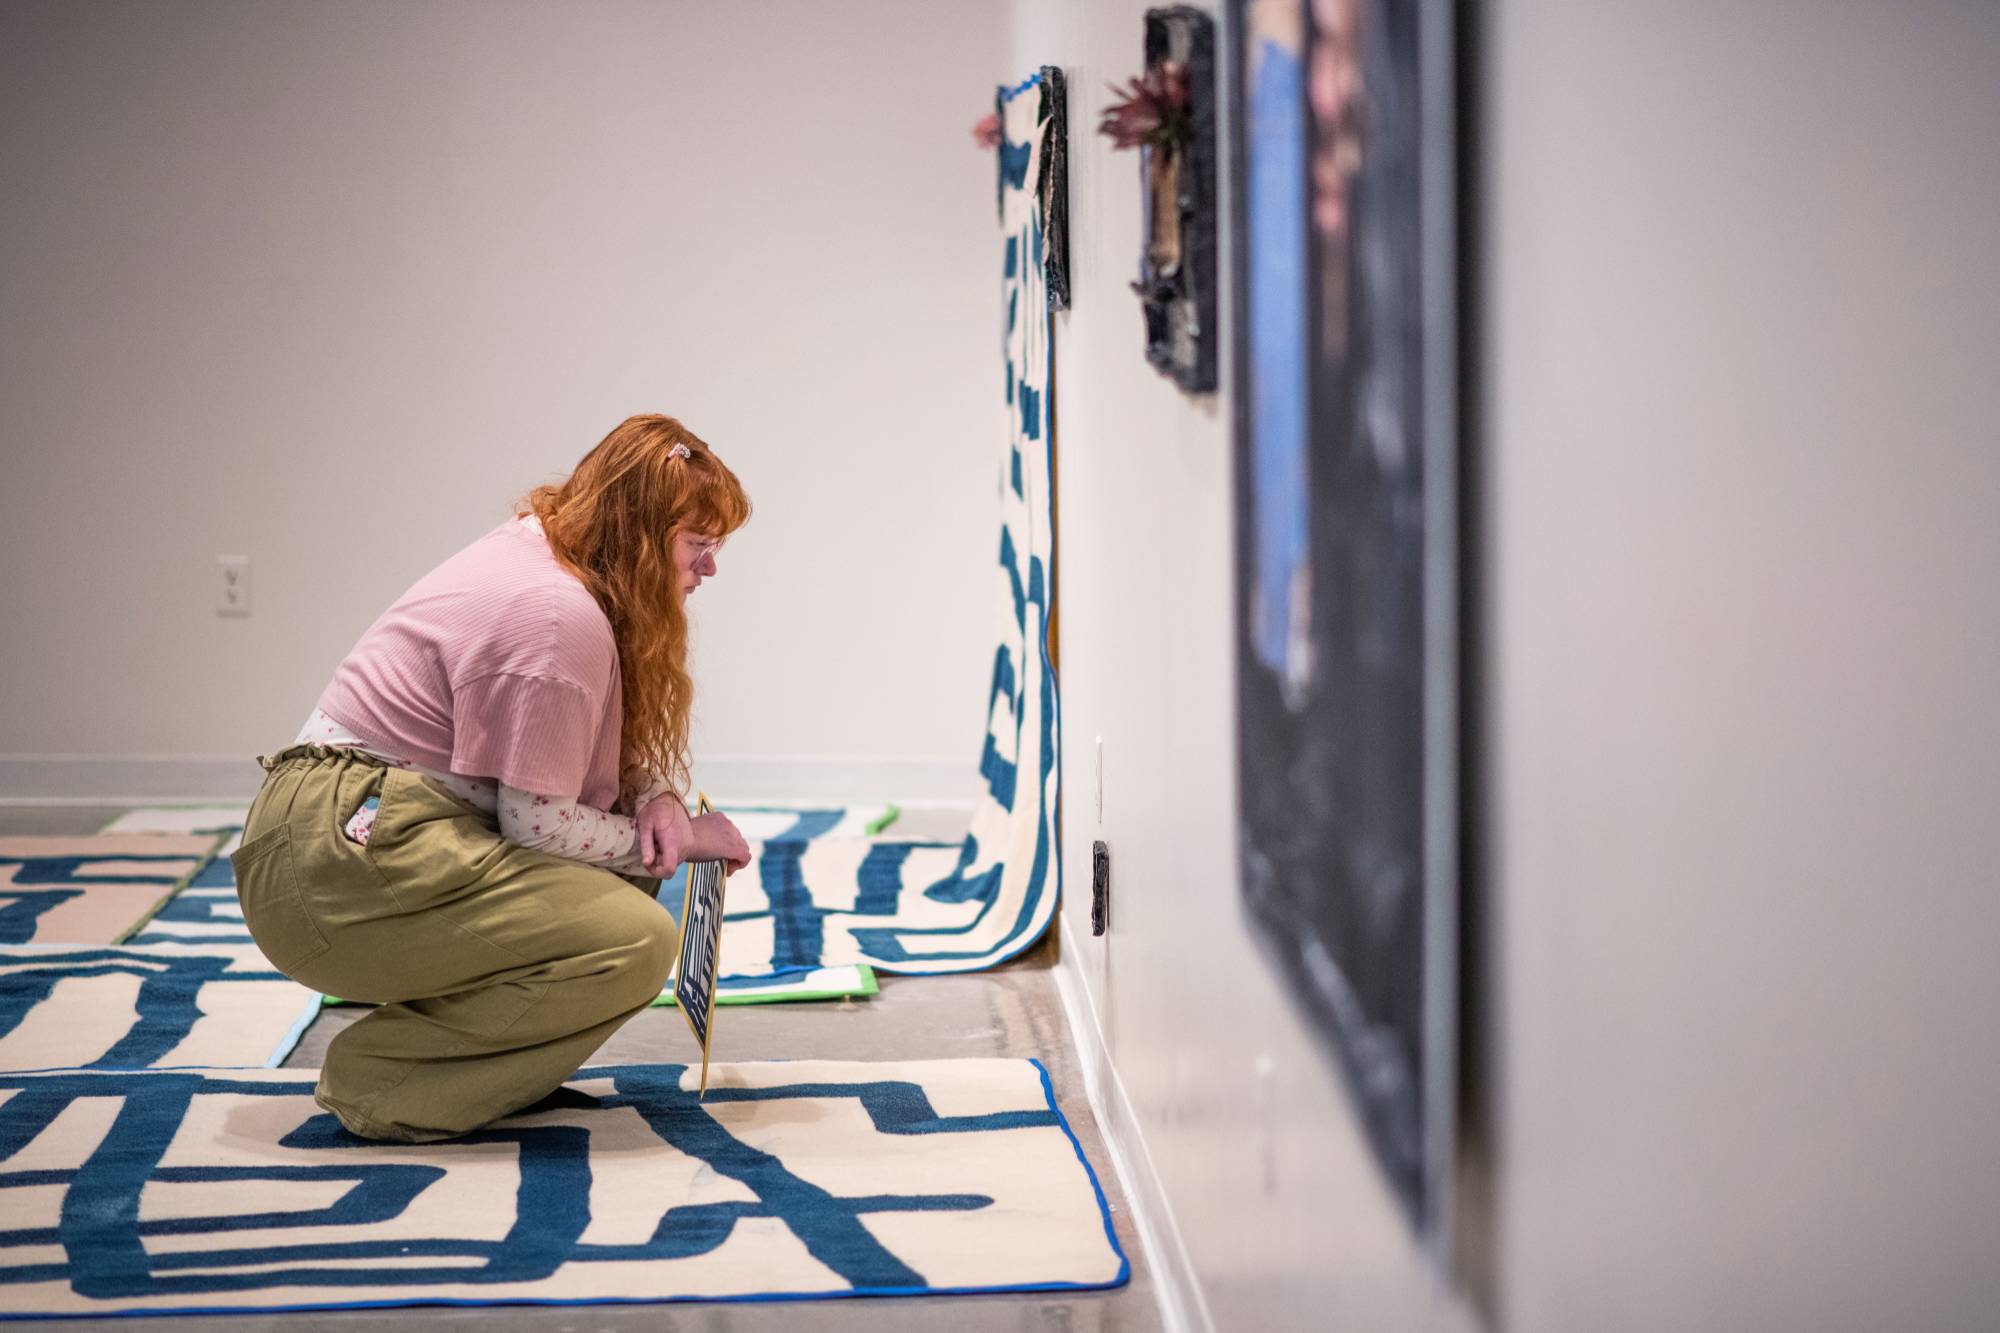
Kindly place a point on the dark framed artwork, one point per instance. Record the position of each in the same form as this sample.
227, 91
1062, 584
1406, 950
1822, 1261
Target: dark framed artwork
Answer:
1176, 283
1346, 507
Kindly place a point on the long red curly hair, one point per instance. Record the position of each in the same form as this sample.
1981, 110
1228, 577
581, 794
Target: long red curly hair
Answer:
613, 524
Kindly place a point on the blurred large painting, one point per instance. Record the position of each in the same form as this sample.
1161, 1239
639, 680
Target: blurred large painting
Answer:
1346, 525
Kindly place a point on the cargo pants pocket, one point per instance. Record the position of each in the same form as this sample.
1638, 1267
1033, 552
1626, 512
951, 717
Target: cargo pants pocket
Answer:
268, 887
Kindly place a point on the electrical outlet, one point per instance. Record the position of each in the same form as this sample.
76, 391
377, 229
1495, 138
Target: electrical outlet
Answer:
1100, 888
232, 589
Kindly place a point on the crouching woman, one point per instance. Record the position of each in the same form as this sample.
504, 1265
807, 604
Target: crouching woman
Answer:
468, 829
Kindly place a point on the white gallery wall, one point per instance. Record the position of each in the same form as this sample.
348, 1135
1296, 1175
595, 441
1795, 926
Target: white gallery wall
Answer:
1740, 461
1743, 456
329, 285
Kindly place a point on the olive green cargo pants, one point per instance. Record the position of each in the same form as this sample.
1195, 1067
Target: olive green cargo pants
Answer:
498, 970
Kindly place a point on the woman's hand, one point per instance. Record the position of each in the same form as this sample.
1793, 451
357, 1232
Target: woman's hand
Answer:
665, 832
716, 839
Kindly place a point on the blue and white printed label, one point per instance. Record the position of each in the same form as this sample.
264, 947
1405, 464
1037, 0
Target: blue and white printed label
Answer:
701, 946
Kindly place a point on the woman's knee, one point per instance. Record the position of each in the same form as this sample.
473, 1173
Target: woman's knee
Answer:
662, 946
641, 944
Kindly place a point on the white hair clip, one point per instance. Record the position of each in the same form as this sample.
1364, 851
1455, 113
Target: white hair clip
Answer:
680, 451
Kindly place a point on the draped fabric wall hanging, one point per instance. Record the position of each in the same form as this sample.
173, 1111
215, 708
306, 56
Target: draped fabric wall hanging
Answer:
1008, 869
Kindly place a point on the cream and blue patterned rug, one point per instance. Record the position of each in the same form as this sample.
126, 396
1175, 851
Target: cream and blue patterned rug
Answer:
229, 1190
67, 1006
92, 889
131, 1184
207, 912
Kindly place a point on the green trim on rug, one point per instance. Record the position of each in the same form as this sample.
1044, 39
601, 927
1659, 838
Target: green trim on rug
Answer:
202, 863
665, 999
883, 820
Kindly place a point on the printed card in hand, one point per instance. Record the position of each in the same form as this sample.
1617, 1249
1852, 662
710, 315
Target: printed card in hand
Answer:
701, 946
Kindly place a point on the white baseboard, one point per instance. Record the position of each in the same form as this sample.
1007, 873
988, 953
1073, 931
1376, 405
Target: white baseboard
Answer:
142, 779
126, 779
1182, 1307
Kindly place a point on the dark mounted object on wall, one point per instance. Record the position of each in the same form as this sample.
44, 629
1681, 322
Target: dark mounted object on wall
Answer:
1168, 114
1349, 569
1052, 185
1100, 887
1055, 190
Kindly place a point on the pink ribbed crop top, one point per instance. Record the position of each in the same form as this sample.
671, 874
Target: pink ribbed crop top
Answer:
498, 663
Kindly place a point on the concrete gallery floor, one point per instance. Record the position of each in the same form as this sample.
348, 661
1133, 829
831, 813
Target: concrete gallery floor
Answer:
1008, 1011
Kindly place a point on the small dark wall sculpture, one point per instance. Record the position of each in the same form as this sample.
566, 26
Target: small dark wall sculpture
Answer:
1168, 114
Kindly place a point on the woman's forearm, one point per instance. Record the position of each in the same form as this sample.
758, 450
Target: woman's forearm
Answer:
562, 826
